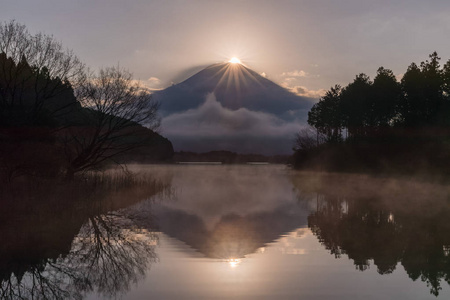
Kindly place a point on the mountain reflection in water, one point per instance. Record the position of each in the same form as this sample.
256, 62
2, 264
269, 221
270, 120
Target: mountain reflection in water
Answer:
244, 209
100, 239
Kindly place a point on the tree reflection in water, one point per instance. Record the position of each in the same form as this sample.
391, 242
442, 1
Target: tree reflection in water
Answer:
74, 252
387, 221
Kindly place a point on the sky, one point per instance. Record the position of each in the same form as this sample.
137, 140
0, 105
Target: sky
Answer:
306, 46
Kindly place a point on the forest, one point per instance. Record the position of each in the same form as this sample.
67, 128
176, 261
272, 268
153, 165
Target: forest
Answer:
384, 125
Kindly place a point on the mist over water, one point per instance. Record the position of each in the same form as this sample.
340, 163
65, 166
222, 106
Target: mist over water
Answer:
231, 232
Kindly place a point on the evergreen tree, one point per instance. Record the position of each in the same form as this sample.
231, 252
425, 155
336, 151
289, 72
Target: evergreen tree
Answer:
356, 104
387, 95
326, 117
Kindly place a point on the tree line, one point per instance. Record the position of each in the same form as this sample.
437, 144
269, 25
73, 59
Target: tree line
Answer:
58, 117
379, 111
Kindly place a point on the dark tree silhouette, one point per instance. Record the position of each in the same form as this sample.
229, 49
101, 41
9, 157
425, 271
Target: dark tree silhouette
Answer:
34, 70
29, 118
326, 116
375, 124
308, 138
423, 93
115, 107
356, 100
387, 94
56, 117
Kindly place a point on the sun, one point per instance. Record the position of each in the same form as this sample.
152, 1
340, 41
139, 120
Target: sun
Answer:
235, 60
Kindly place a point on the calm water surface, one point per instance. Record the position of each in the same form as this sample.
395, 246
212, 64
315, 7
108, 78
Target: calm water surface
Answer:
237, 232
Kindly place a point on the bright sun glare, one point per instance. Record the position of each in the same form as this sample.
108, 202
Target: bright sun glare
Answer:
235, 60
234, 262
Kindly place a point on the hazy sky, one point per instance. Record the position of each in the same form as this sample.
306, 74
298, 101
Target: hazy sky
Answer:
307, 44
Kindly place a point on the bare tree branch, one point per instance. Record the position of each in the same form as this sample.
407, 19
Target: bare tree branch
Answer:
115, 108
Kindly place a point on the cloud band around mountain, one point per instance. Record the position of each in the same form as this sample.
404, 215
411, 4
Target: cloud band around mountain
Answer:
240, 130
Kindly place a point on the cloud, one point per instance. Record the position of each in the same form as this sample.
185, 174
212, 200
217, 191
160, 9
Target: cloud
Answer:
303, 91
153, 83
214, 127
295, 73
154, 80
291, 82
263, 74
211, 119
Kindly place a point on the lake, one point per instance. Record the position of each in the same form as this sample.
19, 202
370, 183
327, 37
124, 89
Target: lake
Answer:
229, 232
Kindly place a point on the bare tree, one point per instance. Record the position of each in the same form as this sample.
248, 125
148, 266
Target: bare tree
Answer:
115, 108
40, 50
95, 116
308, 138
34, 69
36, 99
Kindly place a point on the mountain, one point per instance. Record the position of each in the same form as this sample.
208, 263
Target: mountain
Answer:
230, 107
234, 86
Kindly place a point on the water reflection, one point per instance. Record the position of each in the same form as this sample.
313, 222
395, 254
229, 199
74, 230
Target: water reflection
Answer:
233, 236
78, 239
229, 212
239, 226
386, 221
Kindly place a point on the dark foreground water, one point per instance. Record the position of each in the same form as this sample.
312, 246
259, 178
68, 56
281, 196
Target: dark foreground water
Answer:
232, 232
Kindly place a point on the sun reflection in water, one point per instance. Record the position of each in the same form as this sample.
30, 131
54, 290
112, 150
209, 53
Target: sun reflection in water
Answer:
234, 262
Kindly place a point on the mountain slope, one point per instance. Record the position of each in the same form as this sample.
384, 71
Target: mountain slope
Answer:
234, 86
231, 107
